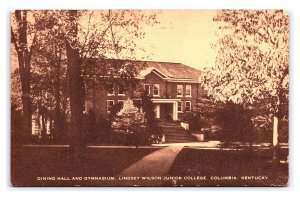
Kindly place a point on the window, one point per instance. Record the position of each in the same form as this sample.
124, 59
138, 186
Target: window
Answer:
147, 87
179, 90
110, 104
121, 89
188, 106
188, 90
110, 89
156, 90
179, 106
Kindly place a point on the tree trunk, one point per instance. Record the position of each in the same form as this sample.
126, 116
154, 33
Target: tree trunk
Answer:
24, 58
27, 119
275, 138
276, 126
43, 129
57, 131
75, 83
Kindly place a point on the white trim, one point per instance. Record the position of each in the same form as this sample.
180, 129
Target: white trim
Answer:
177, 90
190, 106
162, 100
107, 105
121, 101
181, 106
113, 89
158, 88
148, 70
190, 95
157, 103
183, 80
148, 84
157, 111
123, 90
143, 73
175, 80
175, 112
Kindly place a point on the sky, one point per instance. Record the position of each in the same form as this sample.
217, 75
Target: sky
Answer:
182, 36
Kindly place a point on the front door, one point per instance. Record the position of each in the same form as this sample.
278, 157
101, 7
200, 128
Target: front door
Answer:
166, 111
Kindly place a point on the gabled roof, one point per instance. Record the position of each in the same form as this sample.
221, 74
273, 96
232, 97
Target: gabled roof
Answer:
147, 70
167, 70
170, 70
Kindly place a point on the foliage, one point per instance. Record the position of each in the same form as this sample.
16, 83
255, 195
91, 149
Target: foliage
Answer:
150, 116
252, 61
224, 121
203, 118
21, 33
16, 91
114, 111
235, 122
129, 123
128, 118
45, 36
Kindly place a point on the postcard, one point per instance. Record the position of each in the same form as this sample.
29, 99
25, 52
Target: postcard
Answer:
149, 97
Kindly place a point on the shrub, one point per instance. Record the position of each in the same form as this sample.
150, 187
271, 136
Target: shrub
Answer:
130, 123
95, 130
235, 122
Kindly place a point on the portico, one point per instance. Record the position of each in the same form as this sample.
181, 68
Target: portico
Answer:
166, 107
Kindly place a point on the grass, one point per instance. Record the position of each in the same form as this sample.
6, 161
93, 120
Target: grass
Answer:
28, 163
223, 163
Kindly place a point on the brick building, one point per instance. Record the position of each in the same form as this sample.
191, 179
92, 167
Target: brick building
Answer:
173, 87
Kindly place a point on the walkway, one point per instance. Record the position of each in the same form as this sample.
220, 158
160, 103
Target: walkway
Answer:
156, 164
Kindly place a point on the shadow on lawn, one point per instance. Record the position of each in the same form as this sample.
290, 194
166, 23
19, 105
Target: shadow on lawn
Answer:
219, 166
27, 164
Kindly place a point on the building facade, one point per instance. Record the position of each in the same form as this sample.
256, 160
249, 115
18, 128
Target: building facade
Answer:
173, 88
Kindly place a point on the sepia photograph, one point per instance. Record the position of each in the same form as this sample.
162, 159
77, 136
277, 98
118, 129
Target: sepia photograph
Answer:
164, 98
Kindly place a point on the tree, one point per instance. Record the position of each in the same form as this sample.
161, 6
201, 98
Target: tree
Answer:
101, 41
130, 120
49, 76
128, 117
33, 42
150, 115
252, 61
81, 36
23, 36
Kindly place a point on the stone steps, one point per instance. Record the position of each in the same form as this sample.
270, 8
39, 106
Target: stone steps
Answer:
174, 133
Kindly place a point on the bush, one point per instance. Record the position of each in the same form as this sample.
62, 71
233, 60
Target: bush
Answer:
95, 130
235, 122
129, 122
196, 122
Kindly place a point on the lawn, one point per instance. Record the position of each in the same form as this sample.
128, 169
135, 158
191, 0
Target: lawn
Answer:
226, 164
32, 163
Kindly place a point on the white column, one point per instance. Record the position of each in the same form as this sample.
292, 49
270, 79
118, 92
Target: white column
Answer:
157, 110
175, 114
